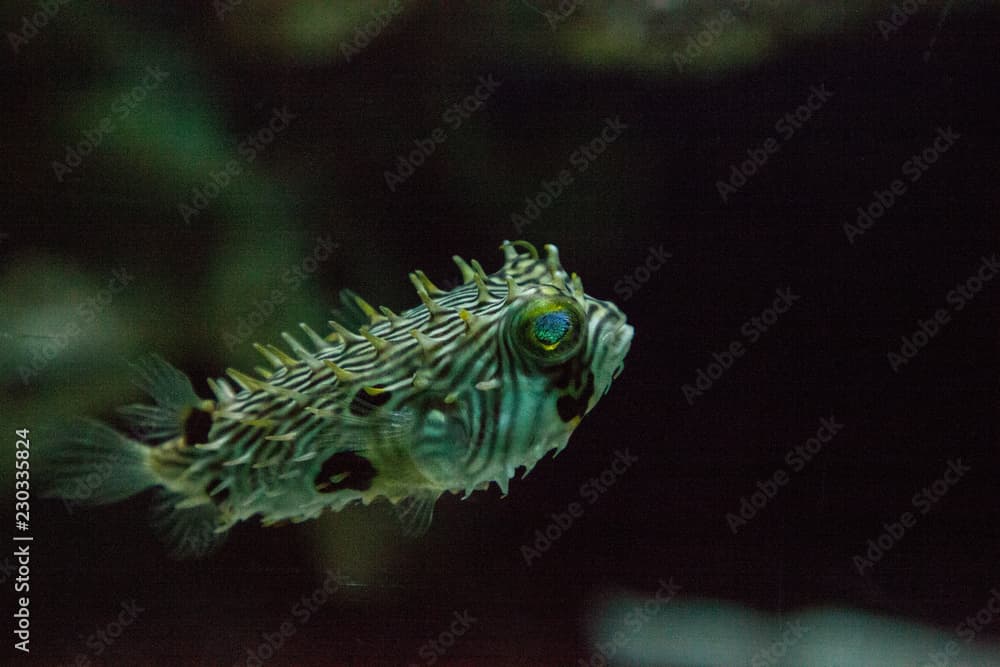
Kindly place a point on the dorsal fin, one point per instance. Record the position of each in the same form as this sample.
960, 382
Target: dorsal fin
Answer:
174, 396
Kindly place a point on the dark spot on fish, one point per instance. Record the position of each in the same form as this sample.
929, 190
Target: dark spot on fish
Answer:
364, 403
359, 473
566, 374
570, 406
197, 426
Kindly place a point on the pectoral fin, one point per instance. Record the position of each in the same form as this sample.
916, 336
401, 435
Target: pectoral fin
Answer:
415, 513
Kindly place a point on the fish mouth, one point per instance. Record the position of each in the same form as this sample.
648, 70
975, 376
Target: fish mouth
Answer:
616, 344
620, 346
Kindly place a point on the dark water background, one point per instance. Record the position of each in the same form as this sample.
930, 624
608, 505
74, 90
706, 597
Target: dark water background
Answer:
654, 187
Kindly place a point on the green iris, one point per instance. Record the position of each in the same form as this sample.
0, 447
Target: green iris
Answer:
551, 328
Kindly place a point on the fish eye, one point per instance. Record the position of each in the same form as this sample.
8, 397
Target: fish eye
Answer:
550, 329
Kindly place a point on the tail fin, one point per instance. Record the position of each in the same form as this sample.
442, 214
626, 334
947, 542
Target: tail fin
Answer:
89, 463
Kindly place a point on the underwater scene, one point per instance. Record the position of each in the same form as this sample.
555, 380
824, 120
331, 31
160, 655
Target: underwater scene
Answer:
648, 333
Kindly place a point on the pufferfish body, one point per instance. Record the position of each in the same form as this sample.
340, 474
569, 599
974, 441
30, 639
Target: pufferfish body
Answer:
449, 396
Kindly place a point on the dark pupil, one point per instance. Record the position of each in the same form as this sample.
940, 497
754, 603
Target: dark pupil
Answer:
551, 327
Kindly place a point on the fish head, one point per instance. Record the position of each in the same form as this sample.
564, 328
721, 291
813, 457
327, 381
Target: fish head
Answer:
538, 356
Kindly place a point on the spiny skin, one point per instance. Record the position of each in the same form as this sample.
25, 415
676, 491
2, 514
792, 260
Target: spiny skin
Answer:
450, 395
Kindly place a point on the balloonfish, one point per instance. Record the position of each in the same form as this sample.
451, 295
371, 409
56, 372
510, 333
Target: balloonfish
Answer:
452, 395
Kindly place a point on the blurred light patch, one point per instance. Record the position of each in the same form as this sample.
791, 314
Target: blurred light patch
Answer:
683, 39
711, 633
310, 31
